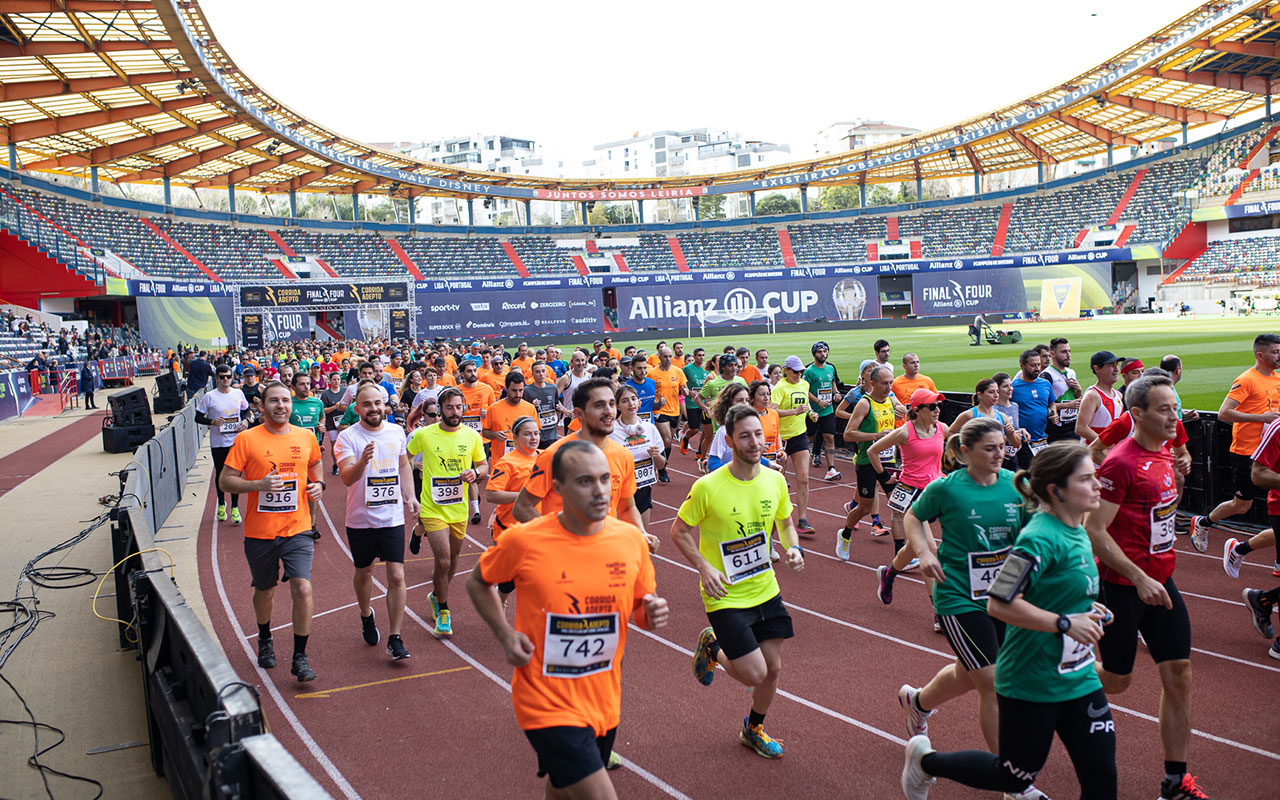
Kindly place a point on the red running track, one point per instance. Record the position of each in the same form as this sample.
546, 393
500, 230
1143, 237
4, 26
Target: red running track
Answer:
442, 721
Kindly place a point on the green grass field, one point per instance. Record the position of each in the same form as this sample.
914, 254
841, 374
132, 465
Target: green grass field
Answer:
1213, 350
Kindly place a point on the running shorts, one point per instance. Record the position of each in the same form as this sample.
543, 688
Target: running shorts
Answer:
568, 754
974, 637
368, 544
739, 631
1166, 631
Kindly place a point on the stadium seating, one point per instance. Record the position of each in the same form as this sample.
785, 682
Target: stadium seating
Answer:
541, 256
1221, 173
233, 253
653, 254
757, 247
1250, 260
456, 256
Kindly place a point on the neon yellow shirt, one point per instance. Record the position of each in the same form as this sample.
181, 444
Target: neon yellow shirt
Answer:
445, 456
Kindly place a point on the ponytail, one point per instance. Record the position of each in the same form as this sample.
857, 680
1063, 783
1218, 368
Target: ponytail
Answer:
1051, 467
968, 436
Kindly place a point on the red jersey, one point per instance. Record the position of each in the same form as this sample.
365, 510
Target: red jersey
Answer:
1120, 429
1142, 484
1268, 455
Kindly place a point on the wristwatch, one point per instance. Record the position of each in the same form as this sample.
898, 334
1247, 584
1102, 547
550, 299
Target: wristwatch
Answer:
1064, 623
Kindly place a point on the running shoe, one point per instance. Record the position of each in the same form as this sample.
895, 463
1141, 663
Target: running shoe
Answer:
235, 516
912, 564
369, 630
1275, 569
804, 528
937, 624
833, 475
1200, 533
415, 543
704, 666
1261, 614
848, 507
475, 518
1274, 652
815, 460
684, 445
843, 540
878, 530
221, 516
754, 737
1231, 560
1186, 789
702, 465
915, 781
301, 668
774, 555
917, 720
614, 762
396, 648
334, 471
267, 653
435, 607
444, 624
1029, 793
663, 477
885, 591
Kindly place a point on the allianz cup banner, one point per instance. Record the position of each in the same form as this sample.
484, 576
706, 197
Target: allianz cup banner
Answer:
991, 291
507, 313
672, 305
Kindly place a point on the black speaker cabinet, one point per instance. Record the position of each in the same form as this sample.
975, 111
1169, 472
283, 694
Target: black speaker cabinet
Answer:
126, 438
130, 407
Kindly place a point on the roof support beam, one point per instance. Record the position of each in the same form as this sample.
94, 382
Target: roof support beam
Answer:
1257, 84
973, 160
56, 6
23, 131
303, 180
1166, 110
1036, 151
1259, 48
132, 147
1104, 135
244, 173
176, 167
34, 90
60, 48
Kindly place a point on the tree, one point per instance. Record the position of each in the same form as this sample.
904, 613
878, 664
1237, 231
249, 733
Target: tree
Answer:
879, 195
774, 204
711, 206
836, 198
619, 214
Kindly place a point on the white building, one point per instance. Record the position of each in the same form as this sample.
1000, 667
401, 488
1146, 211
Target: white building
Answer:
668, 153
841, 136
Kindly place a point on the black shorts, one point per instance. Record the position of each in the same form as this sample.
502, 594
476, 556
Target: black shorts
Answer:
370, 543
548, 439
868, 478
974, 637
796, 444
266, 555
1242, 473
826, 425
1166, 631
644, 499
694, 415
672, 420
567, 754
417, 483
739, 631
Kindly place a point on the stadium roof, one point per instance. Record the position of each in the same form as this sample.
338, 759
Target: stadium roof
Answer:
142, 90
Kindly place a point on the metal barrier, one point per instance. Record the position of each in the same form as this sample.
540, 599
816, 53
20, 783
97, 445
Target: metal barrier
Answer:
207, 734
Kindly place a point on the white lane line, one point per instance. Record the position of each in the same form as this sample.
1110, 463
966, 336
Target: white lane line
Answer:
312, 747
1197, 554
319, 614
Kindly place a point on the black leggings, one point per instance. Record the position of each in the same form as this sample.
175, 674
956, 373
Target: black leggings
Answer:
1026, 732
219, 460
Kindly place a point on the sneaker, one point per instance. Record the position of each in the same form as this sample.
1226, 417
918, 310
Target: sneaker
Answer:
370, 630
885, 591
879, 530
937, 624
804, 528
334, 471
1200, 533
1275, 569
915, 782
235, 516
843, 540
917, 720
435, 607
301, 668
774, 555
704, 666
912, 564
221, 516
702, 465
754, 737
475, 518
815, 461
833, 475
396, 648
663, 477
1029, 793
267, 653
1274, 652
1261, 614
848, 507
615, 761
684, 445
415, 544
1231, 560
1186, 789
444, 624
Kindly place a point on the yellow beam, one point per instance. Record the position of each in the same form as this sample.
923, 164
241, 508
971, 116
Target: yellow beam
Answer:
327, 692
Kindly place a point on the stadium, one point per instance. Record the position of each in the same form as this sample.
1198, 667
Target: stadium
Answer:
1133, 207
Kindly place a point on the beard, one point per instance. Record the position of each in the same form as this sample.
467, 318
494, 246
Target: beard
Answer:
451, 421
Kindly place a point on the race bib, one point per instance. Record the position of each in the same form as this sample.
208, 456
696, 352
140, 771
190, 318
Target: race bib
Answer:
1162, 533
901, 497
578, 645
646, 416
547, 418
646, 473
229, 426
1038, 445
825, 397
1075, 655
447, 491
472, 421
1067, 416
280, 501
382, 490
889, 455
746, 557
983, 567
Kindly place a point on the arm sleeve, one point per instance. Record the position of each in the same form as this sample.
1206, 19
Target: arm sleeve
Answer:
784, 500
539, 483
1116, 431
646, 581
1115, 479
1239, 390
236, 458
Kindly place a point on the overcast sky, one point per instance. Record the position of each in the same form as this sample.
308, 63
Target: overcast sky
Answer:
571, 74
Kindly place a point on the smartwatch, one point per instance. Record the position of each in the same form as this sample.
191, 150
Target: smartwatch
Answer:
1064, 623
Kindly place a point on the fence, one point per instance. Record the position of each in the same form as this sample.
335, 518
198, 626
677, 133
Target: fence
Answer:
205, 724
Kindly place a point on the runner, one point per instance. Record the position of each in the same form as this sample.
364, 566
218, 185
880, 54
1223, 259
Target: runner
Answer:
581, 577
507, 477
695, 376
365, 372
881, 349
308, 413
1102, 403
499, 416
452, 460
720, 452
273, 464
567, 383
746, 370
872, 418
541, 394
1132, 535
725, 371
226, 411
985, 396
735, 510
821, 378
1044, 676
644, 442
331, 399
523, 361
1035, 401
671, 390
791, 398
910, 380
1065, 387
761, 393
646, 388
1014, 451
375, 469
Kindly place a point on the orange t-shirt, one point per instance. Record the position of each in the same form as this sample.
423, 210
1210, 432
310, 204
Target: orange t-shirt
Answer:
653, 360
525, 365
614, 353
478, 398
668, 390
450, 364
749, 373
903, 386
508, 474
497, 381
622, 470
396, 374
337, 357
255, 453
500, 417
772, 441
446, 380
574, 597
1254, 393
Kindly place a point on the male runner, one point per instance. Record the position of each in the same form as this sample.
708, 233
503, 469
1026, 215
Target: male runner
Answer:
226, 412
726, 373
746, 370
523, 361
274, 464
881, 349
1132, 533
580, 577
331, 399
500, 415
910, 379
308, 412
791, 398
735, 510
873, 417
452, 460
1035, 401
696, 376
1065, 387
375, 469
671, 389
1102, 403
821, 378
567, 383
366, 372
542, 396
646, 387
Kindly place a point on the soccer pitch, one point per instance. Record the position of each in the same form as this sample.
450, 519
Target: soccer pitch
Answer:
1214, 350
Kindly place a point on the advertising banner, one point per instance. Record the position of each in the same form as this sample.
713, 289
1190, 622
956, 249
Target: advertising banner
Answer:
399, 323
15, 393
1004, 291
545, 311
251, 331
1060, 298
301, 294
285, 326
200, 321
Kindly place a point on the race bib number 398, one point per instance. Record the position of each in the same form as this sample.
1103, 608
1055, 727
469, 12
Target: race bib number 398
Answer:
578, 645
447, 491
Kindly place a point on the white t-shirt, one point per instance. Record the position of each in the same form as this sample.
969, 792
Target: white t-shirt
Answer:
427, 393
349, 396
720, 447
374, 501
638, 439
226, 405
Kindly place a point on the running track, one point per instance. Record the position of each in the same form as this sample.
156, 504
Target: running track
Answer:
442, 721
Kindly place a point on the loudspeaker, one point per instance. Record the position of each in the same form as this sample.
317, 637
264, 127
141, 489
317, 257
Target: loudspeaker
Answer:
167, 403
168, 397
126, 438
166, 383
130, 407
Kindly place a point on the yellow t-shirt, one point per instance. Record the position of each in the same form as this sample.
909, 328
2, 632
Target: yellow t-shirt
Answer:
445, 456
787, 396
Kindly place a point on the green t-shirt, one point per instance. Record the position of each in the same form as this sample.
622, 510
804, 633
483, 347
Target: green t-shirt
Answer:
735, 521
695, 375
711, 388
1051, 667
979, 525
445, 456
822, 383
787, 396
307, 413
349, 416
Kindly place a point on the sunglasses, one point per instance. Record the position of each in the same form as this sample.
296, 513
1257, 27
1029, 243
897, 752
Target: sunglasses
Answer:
430, 414
222, 377
933, 406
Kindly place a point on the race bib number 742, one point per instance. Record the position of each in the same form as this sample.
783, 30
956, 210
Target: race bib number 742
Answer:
578, 645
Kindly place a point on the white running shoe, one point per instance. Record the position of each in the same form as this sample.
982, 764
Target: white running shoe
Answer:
917, 720
842, 545
1200, 533
1231, 560
915, 781
1029, 793
912, 564
773, 553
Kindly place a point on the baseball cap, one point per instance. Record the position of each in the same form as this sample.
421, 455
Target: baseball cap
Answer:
793, 363
865, 364
1103, 357
625, 360
923, 397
